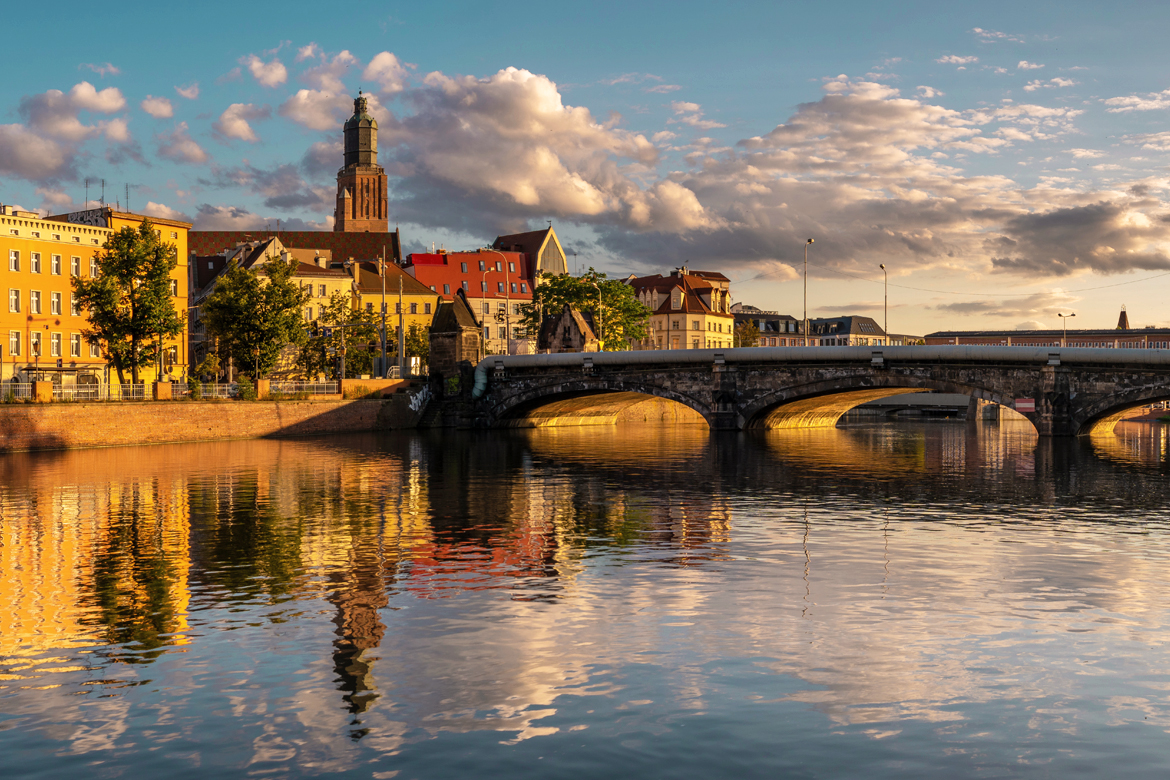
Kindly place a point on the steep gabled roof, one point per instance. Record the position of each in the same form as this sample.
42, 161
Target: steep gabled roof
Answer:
455, 315
370, 283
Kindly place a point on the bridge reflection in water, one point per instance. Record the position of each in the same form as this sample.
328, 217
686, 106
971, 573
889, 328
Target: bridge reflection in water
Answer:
324, 602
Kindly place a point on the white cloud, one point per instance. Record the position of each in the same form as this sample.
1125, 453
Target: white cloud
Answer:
29, 155
163, 211
316, 109
178, 146
191, 91
327, 76
662, 89
388, 72
267, 74
157, 107
952, 59
1032, 86
103, 70
1025, 65
691, 114
308, 52
1152, 101
56, 113
930, 92
1085, 154
1157, 141
993, 36
117, 130
234, 121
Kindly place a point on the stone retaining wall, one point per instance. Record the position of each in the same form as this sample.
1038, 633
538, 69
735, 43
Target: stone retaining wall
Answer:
71, 425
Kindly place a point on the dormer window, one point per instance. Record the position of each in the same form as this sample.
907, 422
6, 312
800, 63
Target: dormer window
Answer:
676, 299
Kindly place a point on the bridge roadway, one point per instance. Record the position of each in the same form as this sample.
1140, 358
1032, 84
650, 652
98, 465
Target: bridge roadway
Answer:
1074, 391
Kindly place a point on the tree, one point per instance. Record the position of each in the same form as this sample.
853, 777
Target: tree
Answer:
128, 303
418, 343
255, 317
617, 313
354, 332
747, 334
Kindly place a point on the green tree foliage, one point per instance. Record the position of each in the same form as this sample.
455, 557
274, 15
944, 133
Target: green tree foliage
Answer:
253, 316
358, 339
747, 334
129, 304
418, 343
617, 313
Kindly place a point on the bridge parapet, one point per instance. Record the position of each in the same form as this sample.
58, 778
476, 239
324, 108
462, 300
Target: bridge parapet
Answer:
1062, 391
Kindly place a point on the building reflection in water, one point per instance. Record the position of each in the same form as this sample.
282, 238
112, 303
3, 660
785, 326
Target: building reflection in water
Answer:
117, 558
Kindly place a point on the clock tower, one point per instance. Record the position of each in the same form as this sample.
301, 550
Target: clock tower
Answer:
361, 182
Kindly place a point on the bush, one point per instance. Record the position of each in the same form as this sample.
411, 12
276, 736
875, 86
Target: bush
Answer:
357, 391
247, 390
194, 389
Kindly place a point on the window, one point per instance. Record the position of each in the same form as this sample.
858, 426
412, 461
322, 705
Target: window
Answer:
75, 266
309, 314
320, 291
56, 236
93, 266
516, 309
14, 342
503, 332
512, 267
34, 343
75, 345
446, 289
674, 324
487, 332
34, 262
482, 267
695, 344
694, 324
174, 235
14, 300
523, 287
55, 303
502, 308
432, 288
463, 267
174, 286
414, 308
55, 265
210, 265
77, 239
499, 286
513, 288
34, 302
370, 307
76, 311
95, 350
487, 308
499, 266
426, 308
465, 284
483, 286
55, 345
13, 260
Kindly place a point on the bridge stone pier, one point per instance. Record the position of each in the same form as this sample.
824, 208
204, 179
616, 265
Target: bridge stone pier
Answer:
1063, 392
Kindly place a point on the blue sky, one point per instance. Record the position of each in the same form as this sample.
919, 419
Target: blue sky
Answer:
1006, 161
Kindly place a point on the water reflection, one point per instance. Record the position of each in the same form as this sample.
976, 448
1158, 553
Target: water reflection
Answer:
327, 603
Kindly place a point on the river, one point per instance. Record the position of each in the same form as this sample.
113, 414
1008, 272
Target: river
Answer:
880, 600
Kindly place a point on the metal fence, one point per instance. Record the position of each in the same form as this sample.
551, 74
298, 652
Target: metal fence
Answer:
16, 390
115, 392
222, 390
313, 388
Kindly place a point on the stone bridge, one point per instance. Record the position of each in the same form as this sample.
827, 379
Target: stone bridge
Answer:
1063, 392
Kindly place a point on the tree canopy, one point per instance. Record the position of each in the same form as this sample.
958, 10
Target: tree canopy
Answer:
617, 313
747, 334
253, 317
129, 303
354, 331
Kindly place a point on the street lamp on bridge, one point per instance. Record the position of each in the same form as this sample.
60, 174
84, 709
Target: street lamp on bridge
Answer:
1064, 322
806, 340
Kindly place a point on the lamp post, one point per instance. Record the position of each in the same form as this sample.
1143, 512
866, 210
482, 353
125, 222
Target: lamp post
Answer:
1064, 323
885, 302
806, 339
507, 298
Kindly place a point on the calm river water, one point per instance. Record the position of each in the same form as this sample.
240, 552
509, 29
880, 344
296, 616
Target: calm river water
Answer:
880, 600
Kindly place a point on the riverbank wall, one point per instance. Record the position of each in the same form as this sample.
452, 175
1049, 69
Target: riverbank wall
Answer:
60, 426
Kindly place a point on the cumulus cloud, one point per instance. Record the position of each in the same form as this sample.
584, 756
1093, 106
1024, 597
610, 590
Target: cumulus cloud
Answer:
1032, 86
209, 217
317, 109
234, 121
930, 92
157, 107
282, 187
103, 70
190, 92
162, 211
952, 59
178, 146
1157, 141
387, 72
28, 155
1025, 65
691, 114
267, 74
327, 76
1082, 154
323, 158
308, 52
1151, 101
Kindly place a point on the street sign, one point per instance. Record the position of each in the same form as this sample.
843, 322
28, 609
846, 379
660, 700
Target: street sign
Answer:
327, 332
1025, 404
60, 363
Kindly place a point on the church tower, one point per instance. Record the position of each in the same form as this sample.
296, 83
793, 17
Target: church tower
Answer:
361, 183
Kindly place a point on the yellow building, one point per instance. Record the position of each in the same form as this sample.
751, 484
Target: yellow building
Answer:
688, 310
417, 303
86, 232
40, 325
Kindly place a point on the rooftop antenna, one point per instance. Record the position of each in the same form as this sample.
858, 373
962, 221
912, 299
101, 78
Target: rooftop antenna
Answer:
103, 201
86, 204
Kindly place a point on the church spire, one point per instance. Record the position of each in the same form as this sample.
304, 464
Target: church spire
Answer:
361, 182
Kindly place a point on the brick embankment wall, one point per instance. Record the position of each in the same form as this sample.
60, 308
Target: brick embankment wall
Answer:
71, 425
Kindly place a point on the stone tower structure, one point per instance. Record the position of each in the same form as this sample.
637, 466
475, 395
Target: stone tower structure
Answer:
361, 182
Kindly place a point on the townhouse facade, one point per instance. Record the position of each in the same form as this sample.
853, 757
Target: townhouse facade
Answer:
688, 310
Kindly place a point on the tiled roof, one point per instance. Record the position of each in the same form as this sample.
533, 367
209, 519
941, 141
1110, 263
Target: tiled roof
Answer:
361, 246
370, 283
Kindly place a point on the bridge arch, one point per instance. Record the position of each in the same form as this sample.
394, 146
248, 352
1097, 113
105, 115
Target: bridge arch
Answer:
823, 403
592, 401
1101, 416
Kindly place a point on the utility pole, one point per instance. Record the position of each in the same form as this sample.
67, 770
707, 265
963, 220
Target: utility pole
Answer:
382, 272
401, 332
885, 302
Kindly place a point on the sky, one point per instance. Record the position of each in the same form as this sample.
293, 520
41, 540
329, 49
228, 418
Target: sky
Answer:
1006, 161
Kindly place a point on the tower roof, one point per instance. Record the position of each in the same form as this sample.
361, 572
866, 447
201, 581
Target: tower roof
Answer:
361, 116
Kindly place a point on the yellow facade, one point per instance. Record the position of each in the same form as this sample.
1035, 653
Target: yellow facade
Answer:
690, 330
40, 327
417, 303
